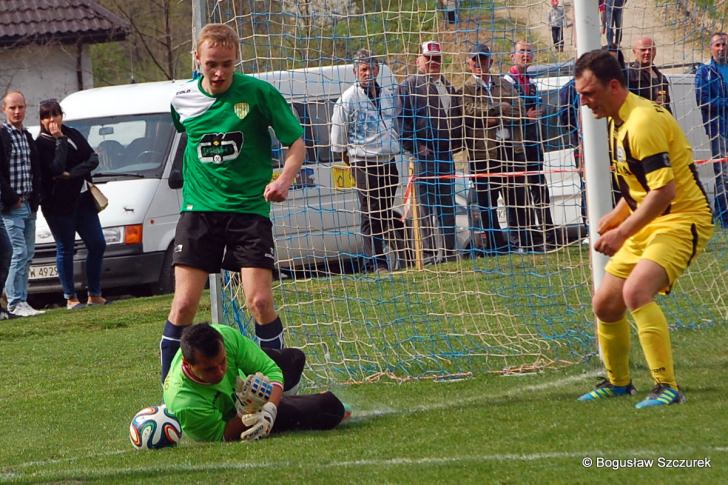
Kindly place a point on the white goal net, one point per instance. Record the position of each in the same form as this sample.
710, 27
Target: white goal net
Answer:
512, 293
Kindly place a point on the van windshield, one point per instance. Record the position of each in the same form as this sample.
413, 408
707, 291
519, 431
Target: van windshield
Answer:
129, 146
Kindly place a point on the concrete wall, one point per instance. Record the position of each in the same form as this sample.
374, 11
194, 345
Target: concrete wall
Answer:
43, 72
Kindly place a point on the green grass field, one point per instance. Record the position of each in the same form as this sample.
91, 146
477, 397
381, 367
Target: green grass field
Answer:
72, 382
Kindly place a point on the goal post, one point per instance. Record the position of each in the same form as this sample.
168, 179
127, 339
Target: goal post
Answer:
594, 138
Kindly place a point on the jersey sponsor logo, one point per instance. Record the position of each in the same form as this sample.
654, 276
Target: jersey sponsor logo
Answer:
220, 147
241, 110
184, 91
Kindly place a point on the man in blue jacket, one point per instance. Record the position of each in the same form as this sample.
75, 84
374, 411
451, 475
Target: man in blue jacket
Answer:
711, 93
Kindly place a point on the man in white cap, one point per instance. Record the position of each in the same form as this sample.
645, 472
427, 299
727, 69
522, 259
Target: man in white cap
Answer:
431, 132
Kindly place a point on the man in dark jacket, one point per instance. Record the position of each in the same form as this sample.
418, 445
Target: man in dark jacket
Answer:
20, 195
643, 77
711, 93
492, 135
533, 142
431, 132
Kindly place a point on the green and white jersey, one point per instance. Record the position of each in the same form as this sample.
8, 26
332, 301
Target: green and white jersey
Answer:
227, 161
204, 409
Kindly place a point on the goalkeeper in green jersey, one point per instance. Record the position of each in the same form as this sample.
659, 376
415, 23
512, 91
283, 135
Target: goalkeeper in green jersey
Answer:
222, 386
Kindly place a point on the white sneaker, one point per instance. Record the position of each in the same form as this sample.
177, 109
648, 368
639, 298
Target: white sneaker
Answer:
23, 309
33, 310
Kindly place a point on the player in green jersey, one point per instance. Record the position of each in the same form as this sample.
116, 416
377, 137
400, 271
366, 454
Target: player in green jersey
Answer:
228, 185
222, 386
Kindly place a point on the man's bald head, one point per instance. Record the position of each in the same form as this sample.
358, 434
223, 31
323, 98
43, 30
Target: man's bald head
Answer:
644, 50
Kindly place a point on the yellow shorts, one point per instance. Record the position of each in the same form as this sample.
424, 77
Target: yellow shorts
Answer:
672, 241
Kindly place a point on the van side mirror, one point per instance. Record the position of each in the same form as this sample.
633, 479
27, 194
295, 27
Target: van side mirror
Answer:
175, 180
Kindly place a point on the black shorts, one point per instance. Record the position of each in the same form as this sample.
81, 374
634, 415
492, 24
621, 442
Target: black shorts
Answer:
213, 240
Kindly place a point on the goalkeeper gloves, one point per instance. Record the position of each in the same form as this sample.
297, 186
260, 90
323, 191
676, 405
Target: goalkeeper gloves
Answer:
259, 424
252, 393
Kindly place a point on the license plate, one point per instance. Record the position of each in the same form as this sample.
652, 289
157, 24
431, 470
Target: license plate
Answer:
42, 272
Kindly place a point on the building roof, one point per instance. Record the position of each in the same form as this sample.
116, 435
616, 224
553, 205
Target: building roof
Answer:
66, 21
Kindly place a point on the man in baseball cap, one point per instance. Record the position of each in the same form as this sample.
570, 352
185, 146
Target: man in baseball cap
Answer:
491, 105
431, 131
480, 49
431, 48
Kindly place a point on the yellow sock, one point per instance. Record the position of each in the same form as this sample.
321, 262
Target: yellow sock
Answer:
655, 340
614, 342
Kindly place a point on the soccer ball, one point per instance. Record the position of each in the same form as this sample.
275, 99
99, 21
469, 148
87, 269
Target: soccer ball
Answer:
154, 427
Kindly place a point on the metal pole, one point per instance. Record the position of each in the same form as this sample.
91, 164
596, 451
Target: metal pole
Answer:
215, 297
199, 19
595, 154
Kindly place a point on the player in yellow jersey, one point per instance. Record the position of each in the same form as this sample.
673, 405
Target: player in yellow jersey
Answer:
662, 221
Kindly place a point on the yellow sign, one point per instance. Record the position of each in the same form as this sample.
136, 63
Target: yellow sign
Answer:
241, 110
341, 177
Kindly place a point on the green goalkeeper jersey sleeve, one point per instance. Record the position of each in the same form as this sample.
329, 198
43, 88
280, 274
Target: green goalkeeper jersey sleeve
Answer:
227, 161
204, 409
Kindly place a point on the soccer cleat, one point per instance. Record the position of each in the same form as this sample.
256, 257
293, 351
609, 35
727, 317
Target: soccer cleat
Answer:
347, 413
606, 389
662, 395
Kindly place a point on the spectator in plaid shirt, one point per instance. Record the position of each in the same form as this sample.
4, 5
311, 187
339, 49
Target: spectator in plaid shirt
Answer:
20, 196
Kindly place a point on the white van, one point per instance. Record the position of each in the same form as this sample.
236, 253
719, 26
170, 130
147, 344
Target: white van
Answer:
140, 172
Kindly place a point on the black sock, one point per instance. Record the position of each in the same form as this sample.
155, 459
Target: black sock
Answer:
270, 335
168, 345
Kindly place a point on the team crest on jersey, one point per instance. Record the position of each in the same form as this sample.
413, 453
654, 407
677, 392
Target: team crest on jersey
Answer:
241, 110
621, 155
220, 147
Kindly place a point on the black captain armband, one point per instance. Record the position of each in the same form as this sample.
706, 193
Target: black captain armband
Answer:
656, 162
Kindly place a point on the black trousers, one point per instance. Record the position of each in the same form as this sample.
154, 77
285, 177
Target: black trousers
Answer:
307, 412
539, 191
513, 190
487, 189
376, 187
557, 35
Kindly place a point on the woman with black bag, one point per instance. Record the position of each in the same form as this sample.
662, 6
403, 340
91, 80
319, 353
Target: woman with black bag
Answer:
68, 207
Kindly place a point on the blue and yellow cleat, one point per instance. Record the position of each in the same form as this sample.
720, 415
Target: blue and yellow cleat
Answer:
662, 395
606, 389
347, 413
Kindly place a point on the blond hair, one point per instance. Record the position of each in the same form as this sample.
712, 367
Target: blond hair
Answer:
12, 91
219, 34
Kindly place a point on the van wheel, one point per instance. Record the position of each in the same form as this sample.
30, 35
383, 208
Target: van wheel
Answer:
166, 274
